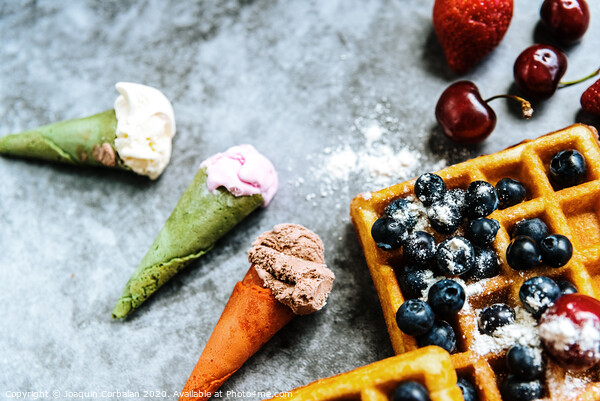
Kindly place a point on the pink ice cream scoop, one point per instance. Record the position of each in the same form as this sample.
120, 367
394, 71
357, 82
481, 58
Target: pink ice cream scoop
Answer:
243, 171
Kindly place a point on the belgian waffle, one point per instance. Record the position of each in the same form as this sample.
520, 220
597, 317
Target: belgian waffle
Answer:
431, 366
573, 212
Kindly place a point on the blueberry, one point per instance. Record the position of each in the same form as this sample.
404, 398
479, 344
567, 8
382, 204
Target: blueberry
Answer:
413, 281
455, 256
457, 198
495, 316
410, 391
419, 248
523, 253
388, 233
441, 334
567, 168
556, 250
515, 389
468, 389
403, 211
510, 192
414, 317
486, 264
444, 217
525, 362
534, 228
538, 294
446, 297
481, 199
430, 188
566, 287
482, 231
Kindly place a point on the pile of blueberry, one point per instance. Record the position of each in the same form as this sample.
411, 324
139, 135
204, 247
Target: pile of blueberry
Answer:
526, 368
524, 363
537, 294
446, 210
532, 243
418, 318
471, 257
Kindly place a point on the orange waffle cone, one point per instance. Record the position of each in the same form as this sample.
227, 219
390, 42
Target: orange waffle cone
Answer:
251, 317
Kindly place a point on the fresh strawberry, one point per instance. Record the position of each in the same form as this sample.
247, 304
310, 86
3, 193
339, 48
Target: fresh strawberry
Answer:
468, 30
590, 100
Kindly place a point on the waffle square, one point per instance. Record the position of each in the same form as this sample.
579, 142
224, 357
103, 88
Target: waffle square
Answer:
573, 212
431, 366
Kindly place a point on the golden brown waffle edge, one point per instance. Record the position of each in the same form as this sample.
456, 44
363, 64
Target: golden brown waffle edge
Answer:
431, 366
574, 212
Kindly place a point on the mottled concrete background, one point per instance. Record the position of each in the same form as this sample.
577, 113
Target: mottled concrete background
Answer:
299, 80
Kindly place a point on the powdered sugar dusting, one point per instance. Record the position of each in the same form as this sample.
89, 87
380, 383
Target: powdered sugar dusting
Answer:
366, 195
429, 278
564, 384
470, 289
418, 209
523, 331
443, 212
473, 289
375, 159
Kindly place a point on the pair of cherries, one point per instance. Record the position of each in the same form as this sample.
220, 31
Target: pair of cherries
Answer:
467, 118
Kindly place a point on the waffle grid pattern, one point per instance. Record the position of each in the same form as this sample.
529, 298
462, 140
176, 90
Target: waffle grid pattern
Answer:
574, 212
431, 366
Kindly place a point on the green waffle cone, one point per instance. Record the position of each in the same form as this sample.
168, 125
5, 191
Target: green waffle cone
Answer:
200, 218
82, 141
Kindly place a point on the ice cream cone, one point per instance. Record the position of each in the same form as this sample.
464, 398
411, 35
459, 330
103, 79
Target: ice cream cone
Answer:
226, 189
251, 317
199, 219
83, 141
136, 135
287, 277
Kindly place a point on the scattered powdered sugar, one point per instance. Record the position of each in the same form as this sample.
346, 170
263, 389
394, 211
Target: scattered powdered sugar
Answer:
371, 161
523, 331
538, 300
470, 289
372, 131
564, 383
416, 208
429, 278
442, 212
380, 165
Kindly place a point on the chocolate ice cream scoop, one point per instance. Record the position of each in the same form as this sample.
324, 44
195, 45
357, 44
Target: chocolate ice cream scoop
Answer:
289, 260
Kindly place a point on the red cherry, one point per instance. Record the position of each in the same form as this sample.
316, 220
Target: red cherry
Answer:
463, 114
570, 331
538, 70
567, 20
465, 117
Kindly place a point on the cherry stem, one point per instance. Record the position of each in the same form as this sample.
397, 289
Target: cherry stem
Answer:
569, 83
526, 108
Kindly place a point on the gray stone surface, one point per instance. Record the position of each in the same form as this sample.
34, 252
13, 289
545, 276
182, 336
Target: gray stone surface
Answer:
301, 80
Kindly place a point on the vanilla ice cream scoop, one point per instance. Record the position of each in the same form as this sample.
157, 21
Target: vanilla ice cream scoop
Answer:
145, 128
